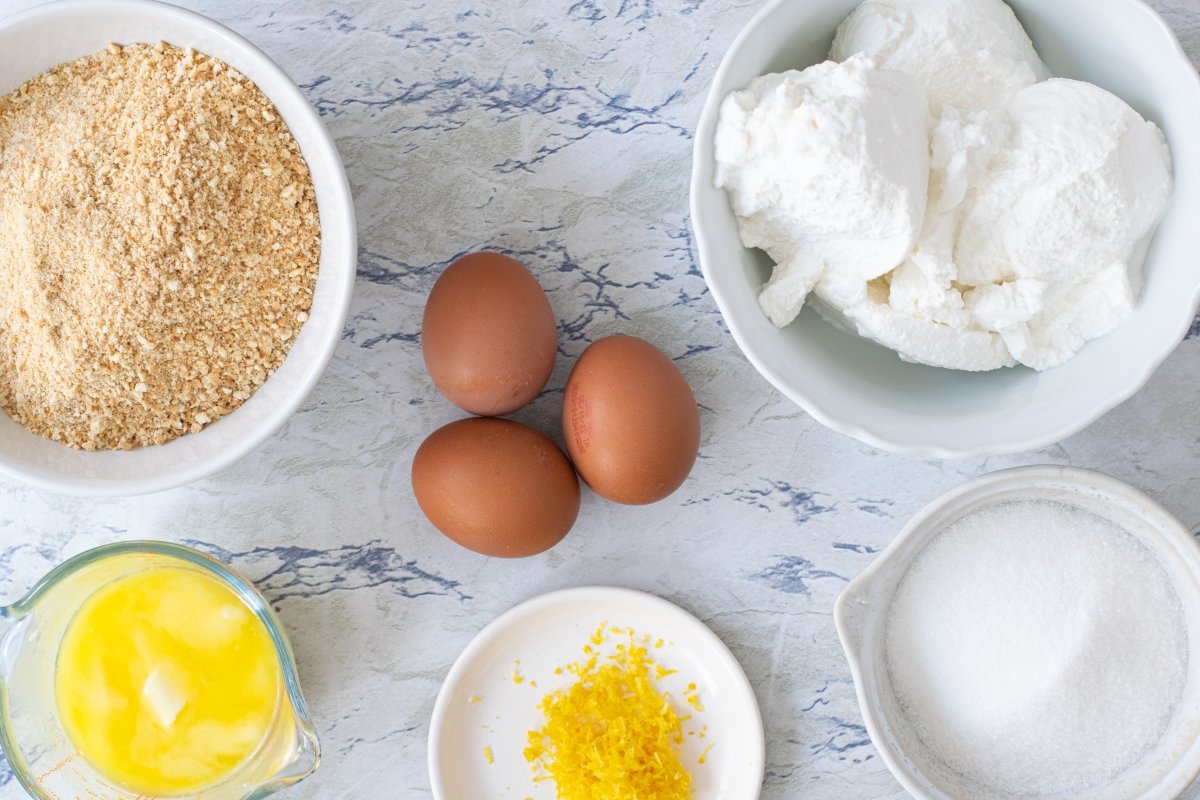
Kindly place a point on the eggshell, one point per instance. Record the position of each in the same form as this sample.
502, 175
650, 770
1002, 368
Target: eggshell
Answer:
488, 335
630, 421
496, 487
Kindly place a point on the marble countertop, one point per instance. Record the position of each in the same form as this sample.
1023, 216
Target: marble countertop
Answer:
561, 133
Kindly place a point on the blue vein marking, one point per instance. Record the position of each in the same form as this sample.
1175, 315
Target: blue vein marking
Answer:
847, 736
802, 503
282, 573
793, 574
879, 508
863, 549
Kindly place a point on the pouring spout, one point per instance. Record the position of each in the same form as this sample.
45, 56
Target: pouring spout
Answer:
308, 754
295, 756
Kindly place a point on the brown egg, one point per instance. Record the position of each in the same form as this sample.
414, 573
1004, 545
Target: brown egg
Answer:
488, 336
496, 487
630, 421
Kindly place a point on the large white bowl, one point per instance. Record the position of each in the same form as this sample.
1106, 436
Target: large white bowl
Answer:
862, 608
36, 40
865, 390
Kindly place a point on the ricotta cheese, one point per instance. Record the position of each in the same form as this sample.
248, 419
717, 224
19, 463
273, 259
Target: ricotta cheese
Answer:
826, 170
1006, 228
1059, 216
970, 54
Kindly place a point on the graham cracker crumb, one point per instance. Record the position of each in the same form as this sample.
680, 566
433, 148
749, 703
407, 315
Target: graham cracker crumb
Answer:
159, 244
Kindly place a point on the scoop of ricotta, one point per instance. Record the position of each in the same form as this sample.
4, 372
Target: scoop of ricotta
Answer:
971, 54
918, 308
1059, 215
826, 170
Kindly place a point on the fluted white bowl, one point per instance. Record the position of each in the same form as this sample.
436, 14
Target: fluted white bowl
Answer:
862, 389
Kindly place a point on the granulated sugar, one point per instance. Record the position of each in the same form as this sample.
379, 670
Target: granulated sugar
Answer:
159, 243
1036, 648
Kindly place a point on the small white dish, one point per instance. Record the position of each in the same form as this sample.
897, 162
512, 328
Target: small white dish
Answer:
864, 390
861, 611
480, 705
43, 37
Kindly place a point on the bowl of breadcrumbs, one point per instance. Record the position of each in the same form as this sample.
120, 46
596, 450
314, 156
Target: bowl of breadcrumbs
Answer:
177, 246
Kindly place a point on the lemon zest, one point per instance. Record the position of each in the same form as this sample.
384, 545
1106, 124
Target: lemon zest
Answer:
611, 735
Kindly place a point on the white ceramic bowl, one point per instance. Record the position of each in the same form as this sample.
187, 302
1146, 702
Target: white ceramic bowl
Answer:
33, 42
865, 390
861, 614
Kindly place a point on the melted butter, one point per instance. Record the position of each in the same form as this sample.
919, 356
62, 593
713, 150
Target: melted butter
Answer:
166, 681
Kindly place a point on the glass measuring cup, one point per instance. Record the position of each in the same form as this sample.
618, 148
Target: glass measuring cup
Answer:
38, 749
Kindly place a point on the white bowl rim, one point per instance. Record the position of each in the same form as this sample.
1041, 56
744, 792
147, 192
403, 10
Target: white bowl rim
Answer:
828, 416
340, 197
982, 487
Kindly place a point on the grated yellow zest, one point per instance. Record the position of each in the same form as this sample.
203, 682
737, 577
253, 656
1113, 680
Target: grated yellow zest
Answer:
487, 753
610, 735
692, 695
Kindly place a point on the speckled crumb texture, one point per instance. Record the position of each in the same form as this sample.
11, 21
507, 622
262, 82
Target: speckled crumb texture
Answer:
159, 245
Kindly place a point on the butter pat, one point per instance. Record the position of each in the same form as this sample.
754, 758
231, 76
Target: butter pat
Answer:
163, 697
